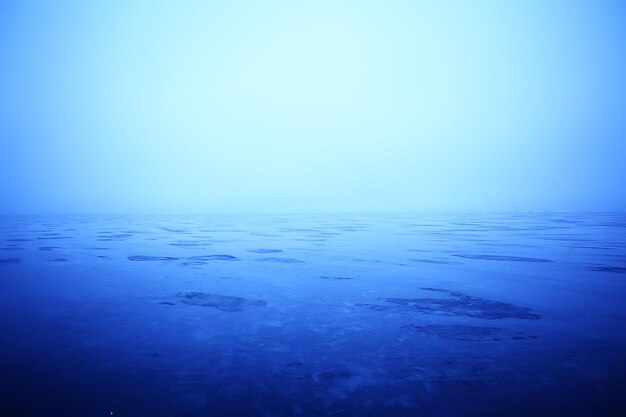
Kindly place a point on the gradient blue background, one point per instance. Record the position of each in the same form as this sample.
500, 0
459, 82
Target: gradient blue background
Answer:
195, 106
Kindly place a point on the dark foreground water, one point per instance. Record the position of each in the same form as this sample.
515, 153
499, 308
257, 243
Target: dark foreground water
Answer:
492, 314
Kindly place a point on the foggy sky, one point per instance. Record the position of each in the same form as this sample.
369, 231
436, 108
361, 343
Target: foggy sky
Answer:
243, 106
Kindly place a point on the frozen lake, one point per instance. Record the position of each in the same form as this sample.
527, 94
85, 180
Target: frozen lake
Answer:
481, 314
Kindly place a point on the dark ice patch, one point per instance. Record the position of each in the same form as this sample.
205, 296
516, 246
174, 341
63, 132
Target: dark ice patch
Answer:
336, 278
435, 289
614, 269
458, 304
522, 336
9, 261
194, 263
171, 230
119, 236
265, 250
367, 260
340, 374
566, 239
189, 244
436, 261
221, 302
213, 258
461, 332
293, 229
503, 258
151, 258
280, 260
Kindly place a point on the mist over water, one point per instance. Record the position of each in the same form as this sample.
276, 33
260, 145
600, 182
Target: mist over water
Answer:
399, 208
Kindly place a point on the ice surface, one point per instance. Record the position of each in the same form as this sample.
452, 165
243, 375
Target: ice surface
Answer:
484, 314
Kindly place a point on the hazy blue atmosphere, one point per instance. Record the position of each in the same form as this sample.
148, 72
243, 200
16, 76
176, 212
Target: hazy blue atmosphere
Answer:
246, 106
312, 208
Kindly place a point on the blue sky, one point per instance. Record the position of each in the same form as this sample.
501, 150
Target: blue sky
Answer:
243, 106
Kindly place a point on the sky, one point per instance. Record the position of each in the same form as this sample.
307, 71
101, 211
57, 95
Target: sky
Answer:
311, 106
